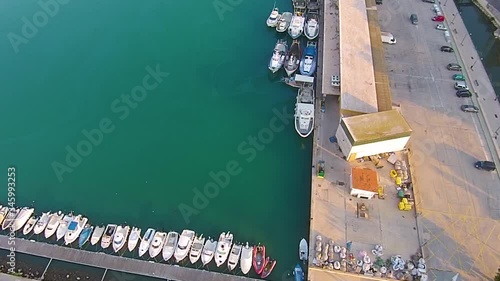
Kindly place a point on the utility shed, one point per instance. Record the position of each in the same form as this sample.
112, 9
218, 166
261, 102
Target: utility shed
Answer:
371, 134
364, 183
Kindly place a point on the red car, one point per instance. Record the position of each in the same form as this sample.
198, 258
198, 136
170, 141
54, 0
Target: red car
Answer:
438, 18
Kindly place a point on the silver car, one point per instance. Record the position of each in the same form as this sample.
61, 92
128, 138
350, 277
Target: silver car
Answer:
441, 27
469, 108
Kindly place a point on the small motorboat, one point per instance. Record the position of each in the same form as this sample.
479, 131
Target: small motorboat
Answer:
75, 227
63, 226
170, 245
41, 223
303, 250
107, 237
268, 268
259, 258
274, 17
278, 57
234, 256
28, 227
223, 248
246, 259
85, 235
292, 59
311, 29
9, 219
157, 244
184, 245
284, 22
195, 253
53, 224
208, 251
133, 239
120, 237
296, 27
3, 213
309, 59
21, 219
298, 273
97, 234
146, 241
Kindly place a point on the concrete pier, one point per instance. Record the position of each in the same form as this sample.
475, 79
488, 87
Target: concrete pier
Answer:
116, 263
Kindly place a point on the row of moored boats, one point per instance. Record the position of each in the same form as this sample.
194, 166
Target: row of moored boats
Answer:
172, 245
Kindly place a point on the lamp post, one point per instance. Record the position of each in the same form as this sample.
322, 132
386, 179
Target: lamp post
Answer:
472, 66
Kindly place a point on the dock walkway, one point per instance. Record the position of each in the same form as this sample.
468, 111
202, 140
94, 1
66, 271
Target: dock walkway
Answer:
117, 263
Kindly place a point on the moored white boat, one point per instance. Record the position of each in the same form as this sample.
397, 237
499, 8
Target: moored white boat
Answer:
3, 213
146, 241
296, 27
75, 228
273, 18
284, 22
303, 250
311, 28
28, 227
108, 235
41, 223
170, 245
157, 244
53, 224
63, 226
304, 111
278, 57
120, 237
195, 253
184, 245
97, 234
208, 251
246, 259
21, 219
133, 238
292, 59
9, 218
223, 248
234, 256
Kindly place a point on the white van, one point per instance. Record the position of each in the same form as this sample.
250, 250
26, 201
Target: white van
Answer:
388, 38
461, 85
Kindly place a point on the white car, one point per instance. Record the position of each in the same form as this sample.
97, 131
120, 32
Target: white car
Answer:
441, 27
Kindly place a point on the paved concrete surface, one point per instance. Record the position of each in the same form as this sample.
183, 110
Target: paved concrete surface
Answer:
459, 206
329, 52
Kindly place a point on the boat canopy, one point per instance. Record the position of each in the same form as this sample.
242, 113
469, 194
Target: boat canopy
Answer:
72, 225
304, 79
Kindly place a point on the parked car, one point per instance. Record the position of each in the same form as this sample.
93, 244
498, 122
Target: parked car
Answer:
378, 2
429, 1
438, 18
447, 49
461, 85
454, 67
458, 77
441, 27
464, 94
485, 165
414, 19
469, 108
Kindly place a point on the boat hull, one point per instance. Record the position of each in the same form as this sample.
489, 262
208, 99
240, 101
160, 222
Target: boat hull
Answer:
259, 259
133, 239
246, 259
303, 250
84, 236
268, 269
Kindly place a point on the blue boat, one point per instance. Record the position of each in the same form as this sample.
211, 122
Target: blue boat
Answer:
298, 273
309, 59
85, 235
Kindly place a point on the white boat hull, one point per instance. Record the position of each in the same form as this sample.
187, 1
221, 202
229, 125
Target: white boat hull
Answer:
41, 224
120, 238
133, 238
208, 251
246, 259
96, 235
157, 245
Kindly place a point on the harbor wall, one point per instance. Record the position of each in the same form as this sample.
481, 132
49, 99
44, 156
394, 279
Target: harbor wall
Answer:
491, 12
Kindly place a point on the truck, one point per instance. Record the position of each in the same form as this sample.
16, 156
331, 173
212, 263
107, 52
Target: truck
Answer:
388, 38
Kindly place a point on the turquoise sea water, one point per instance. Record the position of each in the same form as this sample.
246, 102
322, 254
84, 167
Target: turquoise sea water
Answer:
69, 76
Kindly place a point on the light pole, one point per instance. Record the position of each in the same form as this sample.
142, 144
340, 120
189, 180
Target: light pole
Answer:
472, 66
462, 43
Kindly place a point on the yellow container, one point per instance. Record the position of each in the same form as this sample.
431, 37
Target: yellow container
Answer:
398, 181
393, 174
401, 206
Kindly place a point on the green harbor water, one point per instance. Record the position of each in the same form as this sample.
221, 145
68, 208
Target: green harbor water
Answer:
204, 104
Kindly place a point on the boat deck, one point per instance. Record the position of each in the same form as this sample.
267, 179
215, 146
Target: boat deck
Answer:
117, 263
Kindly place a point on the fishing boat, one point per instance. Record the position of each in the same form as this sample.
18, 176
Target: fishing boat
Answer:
246, 259
133, 239
85, 235
274, 17
53, 224
146, 241
157, 244
170, 245
292, 59
3, 213
284, 22
63, 226
304, 111
208, 251
309, 58
195, 253
75, 228
303, 250
21, 219
107, 237
97, 234
223, 248
234, 256
278, 57
259, 258
120, 237
28, 227
296, 27
41, 223
298, 273
270, 264
311, 28
9, 218
184, 245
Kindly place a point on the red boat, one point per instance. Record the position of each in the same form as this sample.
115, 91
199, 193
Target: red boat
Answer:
259, 258
268, 268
